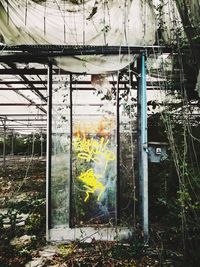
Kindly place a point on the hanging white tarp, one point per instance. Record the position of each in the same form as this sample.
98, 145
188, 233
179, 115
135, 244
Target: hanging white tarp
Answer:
93, 22
129, 22
94, 64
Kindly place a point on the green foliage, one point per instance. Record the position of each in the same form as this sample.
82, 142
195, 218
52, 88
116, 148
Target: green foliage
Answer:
35, 223
66, 250
23, 144
175, 188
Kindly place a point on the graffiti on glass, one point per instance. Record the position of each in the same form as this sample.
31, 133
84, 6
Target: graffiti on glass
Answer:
91, 183
93, 150
96, 151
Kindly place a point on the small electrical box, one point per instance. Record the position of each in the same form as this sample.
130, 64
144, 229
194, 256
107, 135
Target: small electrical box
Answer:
157, 151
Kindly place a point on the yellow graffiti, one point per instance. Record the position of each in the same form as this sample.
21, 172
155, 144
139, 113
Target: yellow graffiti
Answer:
96, 151
91, 183
93, 150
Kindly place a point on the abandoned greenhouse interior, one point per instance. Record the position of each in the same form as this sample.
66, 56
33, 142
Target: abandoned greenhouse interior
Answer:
99, 133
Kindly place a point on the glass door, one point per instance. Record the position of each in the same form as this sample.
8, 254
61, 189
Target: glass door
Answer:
94, 159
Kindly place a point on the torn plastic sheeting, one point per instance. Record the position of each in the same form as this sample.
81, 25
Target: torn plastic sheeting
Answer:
130, 22
94, 23
94, 64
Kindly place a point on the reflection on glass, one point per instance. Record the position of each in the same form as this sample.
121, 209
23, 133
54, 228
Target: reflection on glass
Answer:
128, 151
94, 160
60, 168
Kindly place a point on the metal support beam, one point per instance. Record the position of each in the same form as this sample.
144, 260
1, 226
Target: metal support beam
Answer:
48, 149
41, 144
25, 125
33, 88
12, 143
23, 104
25, 128
143, 147
23, 115
35, 52
118, 209
22, 82
71, 220
21, 88
31, 71
26, 120
4, 143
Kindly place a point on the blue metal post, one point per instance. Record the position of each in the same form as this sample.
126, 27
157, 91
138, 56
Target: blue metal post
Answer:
49, 148
143, 147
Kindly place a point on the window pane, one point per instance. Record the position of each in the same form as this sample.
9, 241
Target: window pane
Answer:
94, 159
60, 171
128, 152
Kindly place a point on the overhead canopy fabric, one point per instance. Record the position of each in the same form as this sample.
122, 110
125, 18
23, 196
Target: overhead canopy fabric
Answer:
129, 22
93, 22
